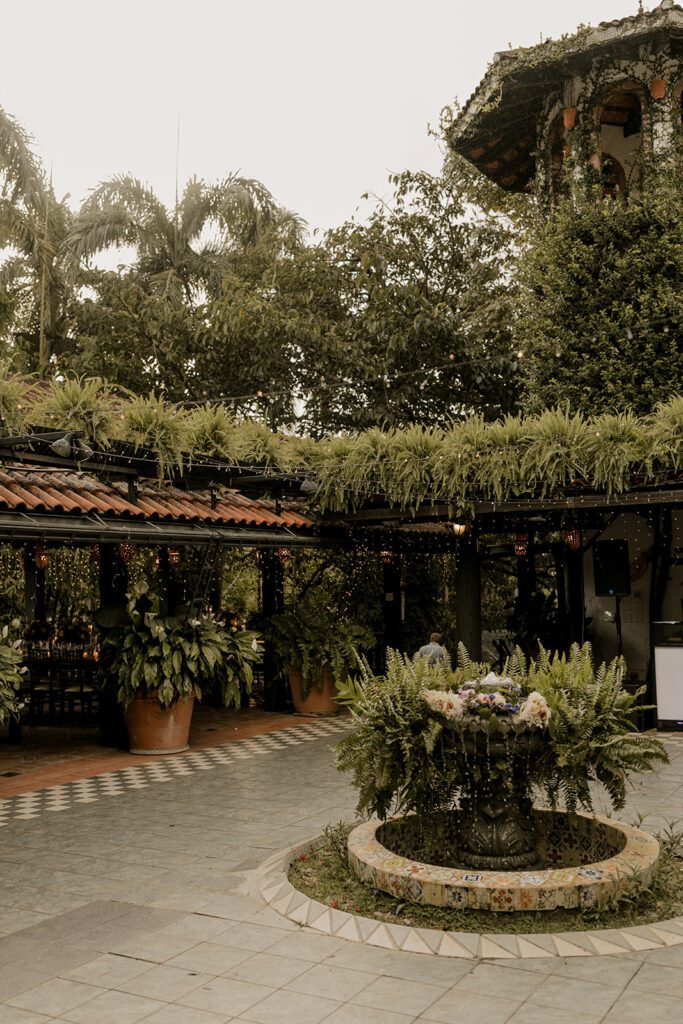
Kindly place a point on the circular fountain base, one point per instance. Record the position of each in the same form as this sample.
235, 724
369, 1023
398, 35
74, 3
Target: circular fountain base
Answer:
582, 860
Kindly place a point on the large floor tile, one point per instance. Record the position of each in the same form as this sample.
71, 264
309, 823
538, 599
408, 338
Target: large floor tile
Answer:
226, 996
398, 995
285, 1007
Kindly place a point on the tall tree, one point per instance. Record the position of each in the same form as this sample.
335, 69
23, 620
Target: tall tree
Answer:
182, 253
404, 317
601, 302
33, 227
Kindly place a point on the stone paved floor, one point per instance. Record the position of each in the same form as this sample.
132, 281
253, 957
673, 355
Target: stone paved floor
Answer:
141, 908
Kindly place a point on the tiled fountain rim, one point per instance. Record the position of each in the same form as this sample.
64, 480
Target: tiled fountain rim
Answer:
279, 893
543, 890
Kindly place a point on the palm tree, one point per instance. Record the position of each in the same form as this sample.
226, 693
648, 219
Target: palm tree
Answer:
182, 253
33, 228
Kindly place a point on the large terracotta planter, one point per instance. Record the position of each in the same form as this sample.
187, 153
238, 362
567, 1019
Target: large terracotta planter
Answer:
151, 730
319, 701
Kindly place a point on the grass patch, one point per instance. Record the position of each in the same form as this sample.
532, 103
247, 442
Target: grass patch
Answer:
324, 875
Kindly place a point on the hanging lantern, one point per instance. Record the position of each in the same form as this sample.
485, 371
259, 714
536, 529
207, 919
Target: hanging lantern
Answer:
42, 557
572, 538
387, 557
95, 554
461, 529
258, 556
126, 551
521, 545
173, 557
283, 555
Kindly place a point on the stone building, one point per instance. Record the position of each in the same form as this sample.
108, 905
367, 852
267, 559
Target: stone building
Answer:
597, 105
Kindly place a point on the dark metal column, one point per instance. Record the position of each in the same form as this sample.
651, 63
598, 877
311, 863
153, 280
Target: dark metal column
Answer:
468, 594
272, 603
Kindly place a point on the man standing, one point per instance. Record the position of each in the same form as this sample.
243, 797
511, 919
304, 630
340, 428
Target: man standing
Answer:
433, 650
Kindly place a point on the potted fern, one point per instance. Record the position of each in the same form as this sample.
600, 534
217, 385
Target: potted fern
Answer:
318, 647
162, 663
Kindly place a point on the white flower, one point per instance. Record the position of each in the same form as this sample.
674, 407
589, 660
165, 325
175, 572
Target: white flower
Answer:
445, 702
498, 700
534, 711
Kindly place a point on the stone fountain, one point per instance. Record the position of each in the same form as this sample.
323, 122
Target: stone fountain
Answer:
496, 851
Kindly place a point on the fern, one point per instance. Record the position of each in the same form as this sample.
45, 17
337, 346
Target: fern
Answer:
402, 758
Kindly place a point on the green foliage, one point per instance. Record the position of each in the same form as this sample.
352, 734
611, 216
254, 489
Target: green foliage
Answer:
404, 758
153, 423
593, 735
14, 400
311, 635
174, 657
10, 675
600, 315
235, 674
80, 403
211, 432
470, 460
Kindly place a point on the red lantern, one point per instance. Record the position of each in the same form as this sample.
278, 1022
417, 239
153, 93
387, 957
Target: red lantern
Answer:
572, 538
521, 545
42, 557
126, 551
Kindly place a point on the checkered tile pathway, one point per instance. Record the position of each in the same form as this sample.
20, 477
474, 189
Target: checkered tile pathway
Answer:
116, 783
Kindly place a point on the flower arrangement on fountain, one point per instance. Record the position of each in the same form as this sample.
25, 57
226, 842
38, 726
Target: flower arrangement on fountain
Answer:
492, 704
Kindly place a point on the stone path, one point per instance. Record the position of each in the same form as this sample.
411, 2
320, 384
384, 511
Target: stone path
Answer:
144, 908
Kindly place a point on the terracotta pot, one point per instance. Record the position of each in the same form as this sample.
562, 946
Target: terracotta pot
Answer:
319, 701
151, 730
658, 89
569, 117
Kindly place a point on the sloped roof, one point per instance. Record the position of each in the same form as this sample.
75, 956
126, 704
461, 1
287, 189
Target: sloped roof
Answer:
78, 494
496, 130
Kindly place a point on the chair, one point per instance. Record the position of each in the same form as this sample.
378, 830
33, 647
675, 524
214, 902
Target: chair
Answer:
76, 675
42, 688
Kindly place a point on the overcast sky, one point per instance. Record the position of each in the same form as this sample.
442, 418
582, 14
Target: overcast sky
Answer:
319, 99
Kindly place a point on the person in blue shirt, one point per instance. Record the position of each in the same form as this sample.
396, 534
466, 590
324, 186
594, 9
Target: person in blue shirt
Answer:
433, 650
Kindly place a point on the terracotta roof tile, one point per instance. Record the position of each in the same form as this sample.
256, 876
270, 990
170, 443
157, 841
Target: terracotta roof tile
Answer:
81, 494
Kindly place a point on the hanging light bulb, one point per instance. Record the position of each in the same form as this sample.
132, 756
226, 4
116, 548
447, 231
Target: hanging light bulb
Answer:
461, 529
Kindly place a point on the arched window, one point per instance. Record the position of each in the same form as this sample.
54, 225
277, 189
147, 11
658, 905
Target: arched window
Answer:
613, 176
621, 135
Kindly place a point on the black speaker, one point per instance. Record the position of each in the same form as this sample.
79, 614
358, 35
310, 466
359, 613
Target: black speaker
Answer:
611, 568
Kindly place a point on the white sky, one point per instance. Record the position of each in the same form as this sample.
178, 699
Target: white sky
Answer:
320, 99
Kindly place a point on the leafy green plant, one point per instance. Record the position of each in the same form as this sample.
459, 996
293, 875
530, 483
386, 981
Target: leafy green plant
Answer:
15, 391
80, 403
10, 675
312, 635
168, 657
211, 432
152, 423
235, 674
592, 733
404, 757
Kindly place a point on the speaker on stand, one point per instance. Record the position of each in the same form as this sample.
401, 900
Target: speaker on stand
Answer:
612, 577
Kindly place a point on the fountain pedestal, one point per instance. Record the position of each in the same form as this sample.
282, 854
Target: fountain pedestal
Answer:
497, 828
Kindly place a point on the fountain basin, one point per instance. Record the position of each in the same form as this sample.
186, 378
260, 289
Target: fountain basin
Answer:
584, 861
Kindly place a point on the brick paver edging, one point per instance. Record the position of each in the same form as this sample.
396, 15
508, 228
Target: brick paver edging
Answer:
278, 892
